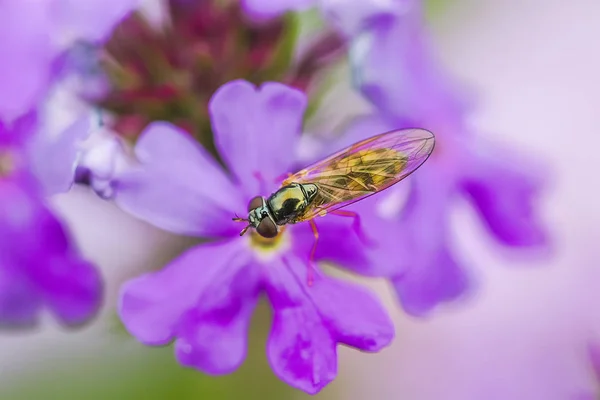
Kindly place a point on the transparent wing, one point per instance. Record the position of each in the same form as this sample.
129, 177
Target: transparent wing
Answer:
363, 169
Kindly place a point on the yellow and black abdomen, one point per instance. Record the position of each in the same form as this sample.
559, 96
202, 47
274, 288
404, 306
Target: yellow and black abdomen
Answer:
290, 201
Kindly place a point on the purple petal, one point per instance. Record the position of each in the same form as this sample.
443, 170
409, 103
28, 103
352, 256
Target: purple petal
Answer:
39, 262
301, 350
92, 20
264, 9
594, 354
213, 336
353, 314
348, 253
394, 67
179, 186
152, 305
53, 158
310, 321
72, 288
428, 274
256, 130
351, 17
504, 190
19, 300
26, 51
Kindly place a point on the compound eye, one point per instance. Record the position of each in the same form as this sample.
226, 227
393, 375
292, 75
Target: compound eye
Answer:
267, 228
255, 203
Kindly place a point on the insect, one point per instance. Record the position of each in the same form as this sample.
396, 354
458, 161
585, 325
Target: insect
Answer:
352, 174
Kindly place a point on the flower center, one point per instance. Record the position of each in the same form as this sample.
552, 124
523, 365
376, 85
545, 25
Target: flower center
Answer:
7, 163
267, 244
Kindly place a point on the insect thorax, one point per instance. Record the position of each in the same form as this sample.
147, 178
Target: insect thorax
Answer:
290, 201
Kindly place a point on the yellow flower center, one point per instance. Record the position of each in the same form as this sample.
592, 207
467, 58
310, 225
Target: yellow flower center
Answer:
7, 164
268, 245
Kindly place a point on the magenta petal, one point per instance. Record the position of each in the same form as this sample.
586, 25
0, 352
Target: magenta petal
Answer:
213, 336
152, 305
310, 321
301, 350
354, 315
72, 288
256, 130
38, 263
430, 280
19, 300
348, 253
505, 192
179, 186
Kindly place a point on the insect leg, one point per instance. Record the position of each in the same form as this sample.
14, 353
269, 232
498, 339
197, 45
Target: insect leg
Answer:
311, 260
356, 225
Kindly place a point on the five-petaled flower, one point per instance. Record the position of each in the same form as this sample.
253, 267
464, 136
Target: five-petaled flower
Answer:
204, 298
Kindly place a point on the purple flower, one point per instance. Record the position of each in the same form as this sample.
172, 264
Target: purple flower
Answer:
204, 299
395, 69
39, 266
34, 34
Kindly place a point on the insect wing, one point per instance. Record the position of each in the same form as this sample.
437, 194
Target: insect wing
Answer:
363, 169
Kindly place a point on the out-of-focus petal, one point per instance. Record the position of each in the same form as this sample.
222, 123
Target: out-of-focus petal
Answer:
26, 51
428, 273
393, 66
19, 301
91, 20
213, 336
351, 17
179, 186
256, 130
39, 262
505, 190
310, 321
53, 157
153, 305
264, 9
71, 287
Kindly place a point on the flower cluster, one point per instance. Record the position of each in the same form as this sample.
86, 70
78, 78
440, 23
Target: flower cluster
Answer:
211, 102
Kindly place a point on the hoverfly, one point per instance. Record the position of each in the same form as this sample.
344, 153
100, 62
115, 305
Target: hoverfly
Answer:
352, 174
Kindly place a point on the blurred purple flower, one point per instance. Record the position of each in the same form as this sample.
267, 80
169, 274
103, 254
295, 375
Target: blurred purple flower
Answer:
204, 299
33, 36
394, 68
39, 266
